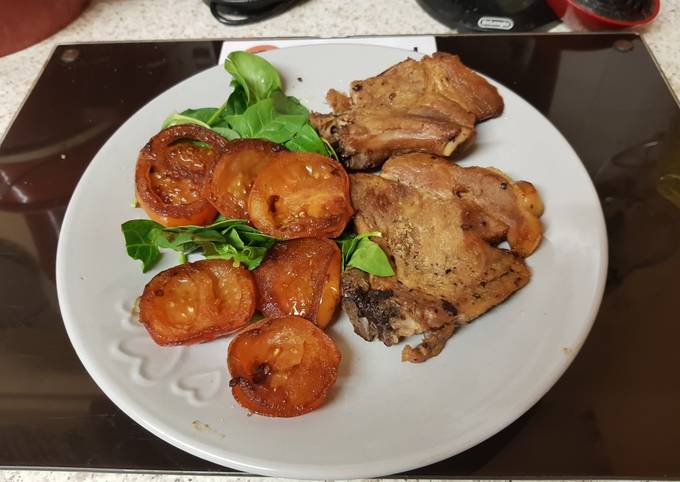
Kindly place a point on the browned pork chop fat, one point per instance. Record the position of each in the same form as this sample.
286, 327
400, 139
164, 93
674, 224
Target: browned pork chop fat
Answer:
511, 209
447, 269
428, 106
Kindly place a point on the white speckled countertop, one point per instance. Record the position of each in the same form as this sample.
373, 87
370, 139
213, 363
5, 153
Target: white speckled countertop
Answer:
108, 20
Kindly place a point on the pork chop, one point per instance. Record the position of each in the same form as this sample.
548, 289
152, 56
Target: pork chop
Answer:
508, 206
447, 272
438, 90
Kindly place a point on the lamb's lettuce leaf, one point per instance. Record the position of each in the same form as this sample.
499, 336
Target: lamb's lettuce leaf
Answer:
360, 252
257, 108
226, 239
258, 78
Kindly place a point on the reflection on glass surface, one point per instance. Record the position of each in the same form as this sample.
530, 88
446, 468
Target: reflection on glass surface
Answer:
668, 183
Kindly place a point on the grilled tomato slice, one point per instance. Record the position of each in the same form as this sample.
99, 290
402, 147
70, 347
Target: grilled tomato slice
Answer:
197, 302
300, 277
300, 195
231, 177
282, 367
171, 173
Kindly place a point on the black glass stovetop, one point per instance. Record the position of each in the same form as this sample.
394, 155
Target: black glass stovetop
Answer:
614, 413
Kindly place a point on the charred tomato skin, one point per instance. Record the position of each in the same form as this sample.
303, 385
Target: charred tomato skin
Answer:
282, 367
301, 195
231, 177
197, 302
300, 277
170, 175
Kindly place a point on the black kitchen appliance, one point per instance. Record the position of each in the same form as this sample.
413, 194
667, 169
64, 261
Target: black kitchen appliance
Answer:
241, 12
491, 15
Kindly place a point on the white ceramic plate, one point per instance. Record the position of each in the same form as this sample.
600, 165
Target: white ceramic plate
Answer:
383, 416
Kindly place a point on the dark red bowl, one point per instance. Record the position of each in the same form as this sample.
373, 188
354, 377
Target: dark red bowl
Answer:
26, 22
578, 16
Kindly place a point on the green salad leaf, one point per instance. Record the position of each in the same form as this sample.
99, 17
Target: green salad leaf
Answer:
258, 78
138, 243
234, 239
207, 117
226, 132
360, 252
181, 118
225, 239
257, 108
306, 139
237, 103
263, 121
369, 257
196, 116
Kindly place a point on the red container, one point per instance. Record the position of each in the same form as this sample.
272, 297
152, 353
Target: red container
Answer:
26, 22
579, 17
